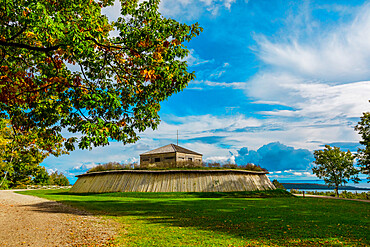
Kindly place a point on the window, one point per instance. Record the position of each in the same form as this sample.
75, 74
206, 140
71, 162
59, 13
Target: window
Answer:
181, 158
169, 158
190, 159
146, 159
157, 159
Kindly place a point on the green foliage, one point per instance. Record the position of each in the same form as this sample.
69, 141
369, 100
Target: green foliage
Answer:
187, 164
58, 178
200, 219
363, 154
278, 185
120, 81
111, 166
41, 176
249, 166
21, 152
335, 166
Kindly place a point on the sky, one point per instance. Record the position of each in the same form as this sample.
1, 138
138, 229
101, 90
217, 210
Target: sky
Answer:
275, 80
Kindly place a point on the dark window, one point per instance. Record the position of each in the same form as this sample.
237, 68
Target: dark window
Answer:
146, 159
181, 158
169, 158
190, 159
157, 159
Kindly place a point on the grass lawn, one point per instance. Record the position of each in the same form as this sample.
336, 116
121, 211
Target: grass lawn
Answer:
272, 218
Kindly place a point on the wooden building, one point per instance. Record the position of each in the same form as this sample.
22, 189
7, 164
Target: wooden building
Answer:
169, 154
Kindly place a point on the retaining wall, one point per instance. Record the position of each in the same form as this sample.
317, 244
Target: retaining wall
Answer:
171, 181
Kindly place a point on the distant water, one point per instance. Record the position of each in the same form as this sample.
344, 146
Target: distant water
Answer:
361, 184
340, 191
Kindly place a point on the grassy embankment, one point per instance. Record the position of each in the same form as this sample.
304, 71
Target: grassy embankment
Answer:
272, 218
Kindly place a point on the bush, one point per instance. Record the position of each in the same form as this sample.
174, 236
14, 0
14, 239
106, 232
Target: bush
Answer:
252, 167
278, 185
167, 165
112, 166
294, 191
343, 194
58, 179
212, 165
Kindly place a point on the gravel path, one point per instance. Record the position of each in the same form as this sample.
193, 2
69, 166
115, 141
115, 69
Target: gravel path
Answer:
331, 197
32, 221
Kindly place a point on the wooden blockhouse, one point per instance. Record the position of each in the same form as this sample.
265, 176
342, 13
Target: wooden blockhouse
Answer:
169, 154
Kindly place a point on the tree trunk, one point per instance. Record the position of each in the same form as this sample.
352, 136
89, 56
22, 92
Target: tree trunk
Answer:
6, 173
336, 191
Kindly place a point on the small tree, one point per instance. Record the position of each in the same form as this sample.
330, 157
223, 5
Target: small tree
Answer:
335, 167
41, 176
278, 185
58, 179
21, 152
363, 154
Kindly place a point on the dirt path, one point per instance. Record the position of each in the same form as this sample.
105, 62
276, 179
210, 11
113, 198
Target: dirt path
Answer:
32, 221
331, 197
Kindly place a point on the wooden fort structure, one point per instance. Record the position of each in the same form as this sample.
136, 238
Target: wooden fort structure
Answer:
169, 154
183, 180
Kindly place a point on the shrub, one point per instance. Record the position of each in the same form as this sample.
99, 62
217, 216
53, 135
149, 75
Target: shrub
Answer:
212, 165
112, 166
58, 179
167, 165
230, 166
278, 185
252, 167
294, 191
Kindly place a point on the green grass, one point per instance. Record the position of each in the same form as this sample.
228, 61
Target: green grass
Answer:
272, 218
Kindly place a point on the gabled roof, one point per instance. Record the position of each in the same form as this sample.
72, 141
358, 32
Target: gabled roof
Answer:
170, 148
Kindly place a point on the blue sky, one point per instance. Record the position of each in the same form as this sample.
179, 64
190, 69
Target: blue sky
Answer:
275, 80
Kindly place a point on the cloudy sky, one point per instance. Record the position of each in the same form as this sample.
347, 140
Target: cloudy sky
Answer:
275, 80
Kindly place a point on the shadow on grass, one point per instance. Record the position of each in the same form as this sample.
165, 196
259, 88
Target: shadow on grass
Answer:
276, 219
237, 194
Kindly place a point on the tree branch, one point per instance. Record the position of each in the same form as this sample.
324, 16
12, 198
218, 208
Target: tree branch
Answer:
32, 48
106, 46
17, 34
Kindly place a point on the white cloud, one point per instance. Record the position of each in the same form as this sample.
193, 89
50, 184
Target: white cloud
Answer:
317, 100
337, 54
220, 159
322, 75
234, 85
193, 9
193, 59
195, 126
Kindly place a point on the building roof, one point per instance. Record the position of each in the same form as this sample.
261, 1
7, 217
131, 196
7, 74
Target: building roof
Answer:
170, 148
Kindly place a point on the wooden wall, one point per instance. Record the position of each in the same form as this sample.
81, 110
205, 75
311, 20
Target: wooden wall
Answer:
146, 159
172, 181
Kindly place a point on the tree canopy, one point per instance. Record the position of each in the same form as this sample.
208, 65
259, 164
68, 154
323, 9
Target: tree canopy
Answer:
363, 154
64, 65
335, 166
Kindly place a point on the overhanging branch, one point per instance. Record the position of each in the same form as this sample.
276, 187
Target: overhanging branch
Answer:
28, 47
